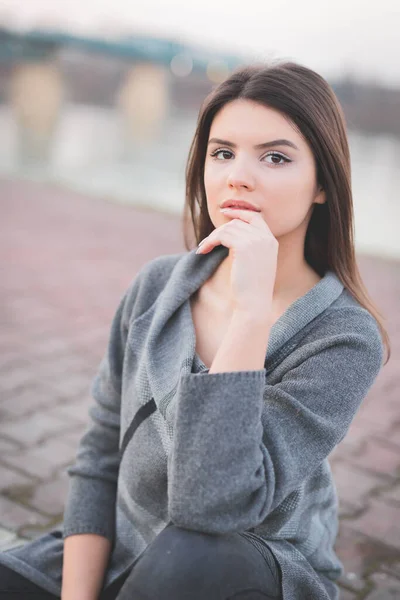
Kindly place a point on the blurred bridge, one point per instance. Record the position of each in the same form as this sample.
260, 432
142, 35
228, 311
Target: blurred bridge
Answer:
32, 62
41, 45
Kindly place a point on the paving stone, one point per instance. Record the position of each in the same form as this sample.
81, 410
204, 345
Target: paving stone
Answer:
391, 495
9, 539
343, 451
359, 432
78, 410
393, 436
360, 554
71, 385
386, 587
74, 437
70, 419
31, 532
7, 446
378, 457
52, 347
378, 416
27, 401
354, 485
61, 368
34, 428
347, 595
6, 536
377, 426
13, 516
347, 510
43, 460
392, 567
15, 379
380, 521
9, 478
14, 355
50, 497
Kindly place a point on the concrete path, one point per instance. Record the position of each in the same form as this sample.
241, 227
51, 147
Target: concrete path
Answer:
65, 262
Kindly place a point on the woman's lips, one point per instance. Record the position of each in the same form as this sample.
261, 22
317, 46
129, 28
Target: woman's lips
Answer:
239, 204
242, 208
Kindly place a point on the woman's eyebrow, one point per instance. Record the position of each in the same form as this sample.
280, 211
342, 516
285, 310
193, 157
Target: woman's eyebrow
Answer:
281, 142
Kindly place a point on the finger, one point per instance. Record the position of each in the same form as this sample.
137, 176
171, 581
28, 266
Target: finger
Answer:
217, 230
217, 237
249, 216
234, 224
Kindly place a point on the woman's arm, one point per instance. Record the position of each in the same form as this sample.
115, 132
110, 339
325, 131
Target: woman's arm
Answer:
84, 565
242, 445
244, 346
89, 515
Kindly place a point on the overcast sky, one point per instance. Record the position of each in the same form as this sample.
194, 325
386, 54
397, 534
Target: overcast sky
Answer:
352, 36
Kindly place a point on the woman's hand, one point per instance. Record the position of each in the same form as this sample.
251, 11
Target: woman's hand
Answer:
254, 252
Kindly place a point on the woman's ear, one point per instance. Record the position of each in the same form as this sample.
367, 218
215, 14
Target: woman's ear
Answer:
320, 197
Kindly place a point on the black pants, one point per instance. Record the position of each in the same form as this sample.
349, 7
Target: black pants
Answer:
181, 564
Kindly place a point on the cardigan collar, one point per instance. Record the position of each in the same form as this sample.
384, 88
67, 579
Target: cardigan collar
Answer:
172, 325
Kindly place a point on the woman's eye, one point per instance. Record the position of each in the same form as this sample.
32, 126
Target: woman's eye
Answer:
279, 157
214, 154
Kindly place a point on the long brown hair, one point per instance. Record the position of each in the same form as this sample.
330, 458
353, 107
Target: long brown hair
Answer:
309, 101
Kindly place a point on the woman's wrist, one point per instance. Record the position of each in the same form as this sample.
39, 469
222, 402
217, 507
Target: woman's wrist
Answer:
244, 345
261, 317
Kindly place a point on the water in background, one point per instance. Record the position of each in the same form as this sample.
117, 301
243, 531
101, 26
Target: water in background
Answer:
91, 153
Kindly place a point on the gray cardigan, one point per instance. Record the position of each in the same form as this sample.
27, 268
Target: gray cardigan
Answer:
216, 452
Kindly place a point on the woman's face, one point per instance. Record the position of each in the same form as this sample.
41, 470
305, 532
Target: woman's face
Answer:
279, 179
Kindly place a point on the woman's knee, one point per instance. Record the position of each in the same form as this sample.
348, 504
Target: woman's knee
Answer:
167, 567
183, 563
180, 551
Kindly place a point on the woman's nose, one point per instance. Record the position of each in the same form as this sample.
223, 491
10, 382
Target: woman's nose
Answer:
240, 177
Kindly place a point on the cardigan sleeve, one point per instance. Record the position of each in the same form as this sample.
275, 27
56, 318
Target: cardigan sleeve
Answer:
90, 503
242, 445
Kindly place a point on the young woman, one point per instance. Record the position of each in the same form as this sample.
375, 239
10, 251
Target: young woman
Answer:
232, 372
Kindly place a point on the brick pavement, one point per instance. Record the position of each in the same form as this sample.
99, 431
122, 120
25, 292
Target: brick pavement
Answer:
65, 261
